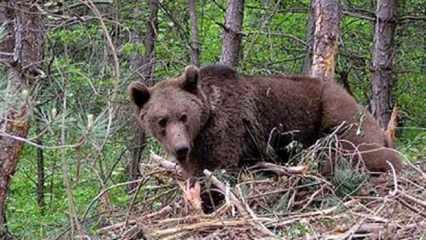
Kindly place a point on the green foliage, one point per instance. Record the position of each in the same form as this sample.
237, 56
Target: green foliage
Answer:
99, 120
133, 49
296, 230
412, 144
346, 179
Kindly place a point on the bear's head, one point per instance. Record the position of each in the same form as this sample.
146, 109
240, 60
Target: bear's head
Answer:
173, 111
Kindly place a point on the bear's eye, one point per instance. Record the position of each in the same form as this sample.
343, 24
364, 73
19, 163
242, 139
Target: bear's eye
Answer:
162, 122
183, 118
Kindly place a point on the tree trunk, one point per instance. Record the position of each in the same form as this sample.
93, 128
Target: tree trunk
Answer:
327, 15
40, 177
423, 30
16, 125
309, 36
232, 33
383, 55
148, 63
195, 43
25, 41
145, 64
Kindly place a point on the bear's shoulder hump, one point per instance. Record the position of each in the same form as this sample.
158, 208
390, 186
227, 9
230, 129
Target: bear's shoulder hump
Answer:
218, 70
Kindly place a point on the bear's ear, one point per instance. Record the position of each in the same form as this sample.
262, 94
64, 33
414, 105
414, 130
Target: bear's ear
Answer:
190, 78
139, 93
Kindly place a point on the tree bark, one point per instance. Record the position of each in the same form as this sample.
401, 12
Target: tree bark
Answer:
148, 63
424, 45
145, 64
309, 36
40, 177
195, 43
383, 55
232, 33
25, 41
327, 15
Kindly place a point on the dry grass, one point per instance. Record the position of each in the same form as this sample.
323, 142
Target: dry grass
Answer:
271, 201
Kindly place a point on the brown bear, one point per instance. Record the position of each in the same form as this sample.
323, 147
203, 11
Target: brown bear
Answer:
213, 118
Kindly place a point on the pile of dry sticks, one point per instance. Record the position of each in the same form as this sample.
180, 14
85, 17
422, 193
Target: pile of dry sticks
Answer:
292, 203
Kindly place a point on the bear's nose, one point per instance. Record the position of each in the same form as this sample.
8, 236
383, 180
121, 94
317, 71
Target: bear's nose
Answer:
181, 152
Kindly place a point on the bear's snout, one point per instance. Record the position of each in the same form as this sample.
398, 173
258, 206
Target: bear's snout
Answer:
178, 141
181, 152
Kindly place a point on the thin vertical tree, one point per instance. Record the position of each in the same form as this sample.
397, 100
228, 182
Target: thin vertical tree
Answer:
22, 54
195, 42
383, 56
41, 178
232, 34
144, 66
148, 63
309, 36
327, 15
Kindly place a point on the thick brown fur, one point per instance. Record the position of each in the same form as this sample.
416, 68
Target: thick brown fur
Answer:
215, 118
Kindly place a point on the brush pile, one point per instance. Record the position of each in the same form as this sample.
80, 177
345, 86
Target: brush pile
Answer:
270, 201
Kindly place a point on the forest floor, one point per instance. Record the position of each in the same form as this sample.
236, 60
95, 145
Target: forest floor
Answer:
291, 203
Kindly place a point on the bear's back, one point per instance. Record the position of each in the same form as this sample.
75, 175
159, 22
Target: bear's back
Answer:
218, 73
293, 102
221, 76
